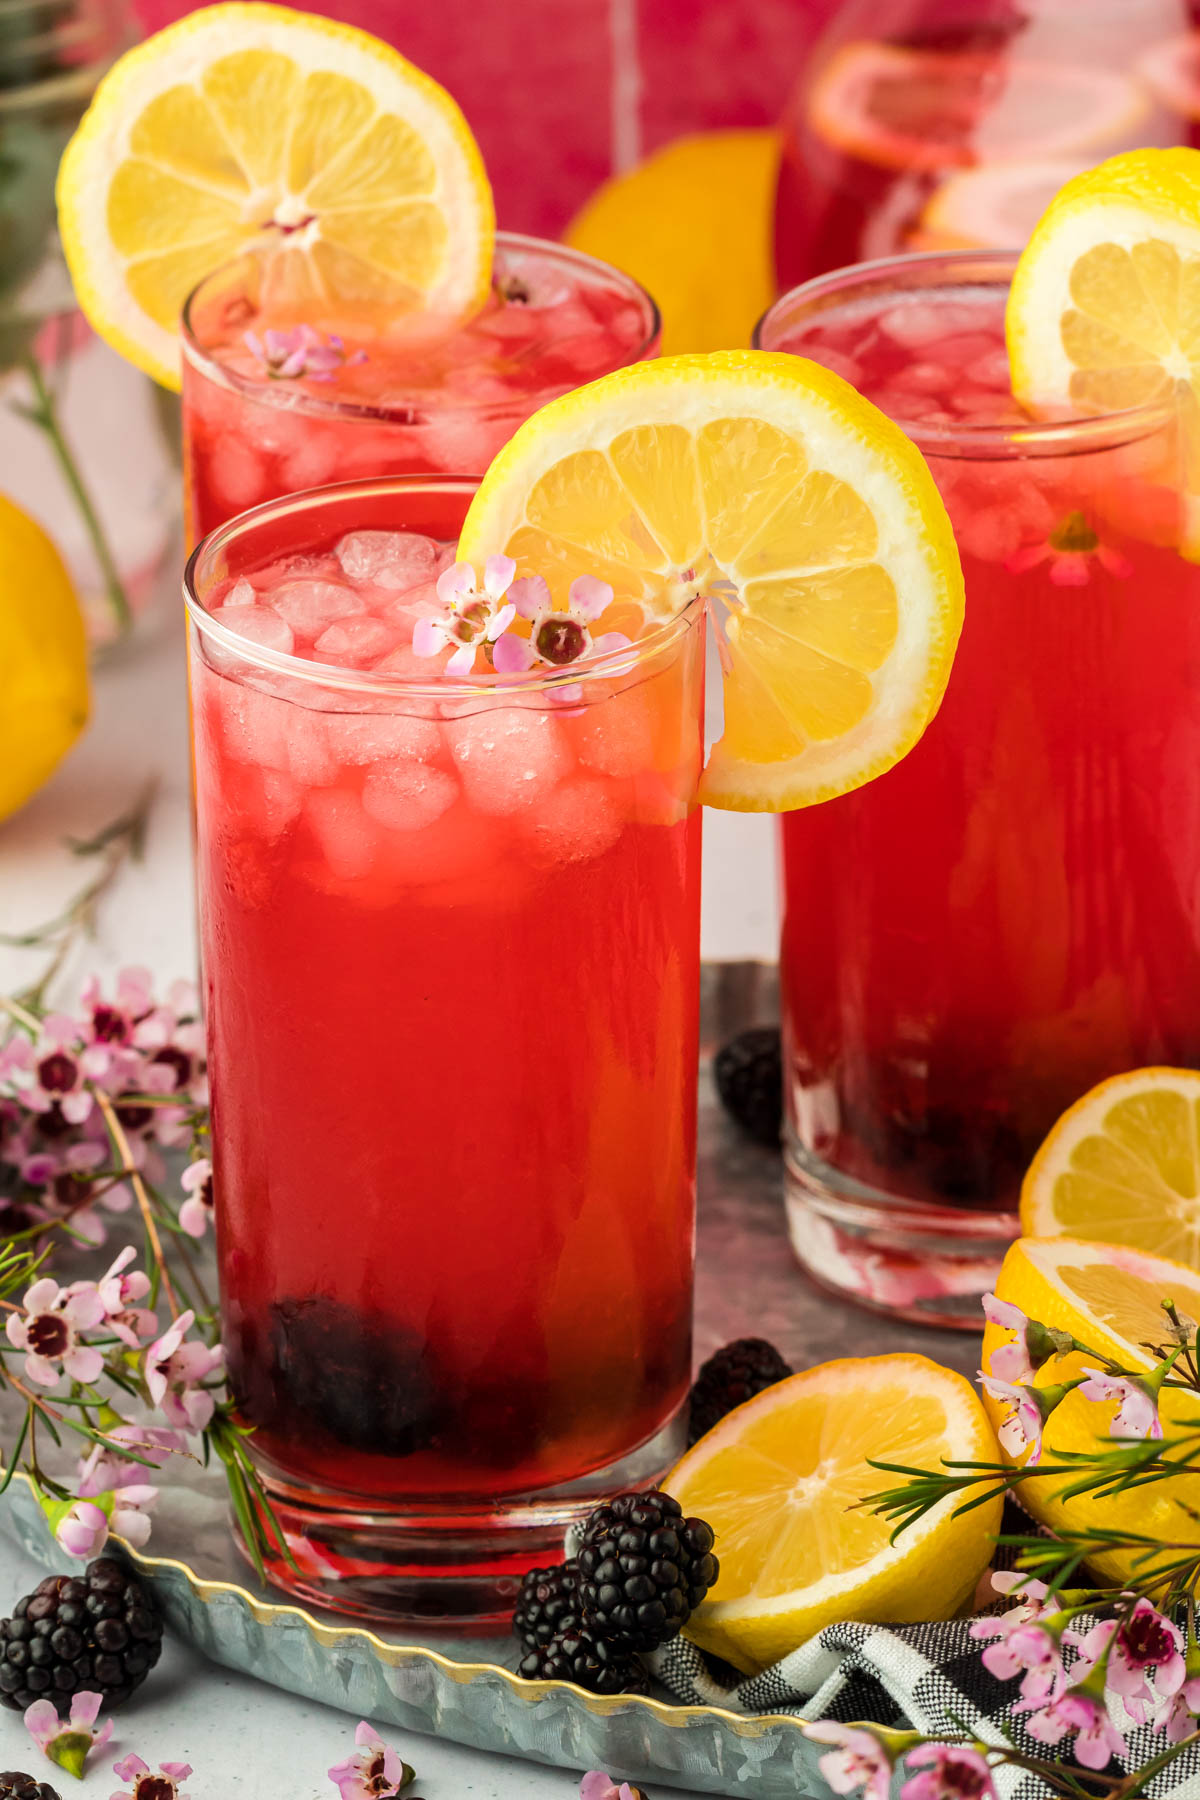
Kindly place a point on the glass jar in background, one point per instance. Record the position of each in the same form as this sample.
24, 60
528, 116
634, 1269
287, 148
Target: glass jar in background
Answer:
82, 441
949, 124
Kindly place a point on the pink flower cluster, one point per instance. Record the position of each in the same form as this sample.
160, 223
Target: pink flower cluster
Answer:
1013, 1381
302, 352
862, 1758
1137, 1660
65, 1333
147, 1057
475, 618
1118, 1657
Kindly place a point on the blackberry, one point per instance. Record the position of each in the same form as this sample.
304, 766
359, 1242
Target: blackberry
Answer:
101, 1631
589, 1661
14, 1785
643, 1567
729, 1378
748, 1071
547, 1605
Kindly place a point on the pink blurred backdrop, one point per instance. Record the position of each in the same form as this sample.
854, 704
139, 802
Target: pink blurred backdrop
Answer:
562, 92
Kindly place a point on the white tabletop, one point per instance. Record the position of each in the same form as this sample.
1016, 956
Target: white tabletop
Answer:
243, 1738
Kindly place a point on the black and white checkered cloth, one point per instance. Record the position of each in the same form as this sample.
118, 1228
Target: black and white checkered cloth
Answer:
926, 1678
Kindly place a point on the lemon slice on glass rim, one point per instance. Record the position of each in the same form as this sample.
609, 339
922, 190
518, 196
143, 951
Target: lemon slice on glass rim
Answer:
253, 127
769, 480
1104, 310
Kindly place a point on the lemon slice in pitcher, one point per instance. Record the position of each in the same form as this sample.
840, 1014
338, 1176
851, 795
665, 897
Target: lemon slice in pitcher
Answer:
770, 481
249, 126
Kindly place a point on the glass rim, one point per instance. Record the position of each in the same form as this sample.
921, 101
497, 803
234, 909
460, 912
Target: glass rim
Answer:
967, 438
367, 681
294, 399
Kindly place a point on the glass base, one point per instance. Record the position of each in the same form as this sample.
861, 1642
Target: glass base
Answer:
449, 1565
930, 1264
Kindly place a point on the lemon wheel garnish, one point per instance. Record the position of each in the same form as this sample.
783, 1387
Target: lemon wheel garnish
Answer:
1110, 1297
255, 127
1104, 309
1123, 1165
765, 478
780, 1479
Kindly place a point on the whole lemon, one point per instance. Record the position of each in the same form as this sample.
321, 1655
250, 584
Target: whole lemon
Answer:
44, 700
693, 224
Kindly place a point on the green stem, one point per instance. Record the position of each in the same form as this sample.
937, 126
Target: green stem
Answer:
45, 415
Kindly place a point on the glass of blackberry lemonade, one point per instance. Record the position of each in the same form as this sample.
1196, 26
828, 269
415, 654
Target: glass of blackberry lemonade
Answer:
1014, 917
450, 934
448, 775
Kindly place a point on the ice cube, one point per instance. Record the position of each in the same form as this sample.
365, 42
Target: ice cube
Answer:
356, 643
616, 735
241, 594
414, 603
407, 795
310, 756
280, 802
236, 474
314, 462
310, 607
391, 559
924, 378
348, 840
915, 322
577, 820
460, 442
254, 726
359, 738
508, 758
990, 533
260, 625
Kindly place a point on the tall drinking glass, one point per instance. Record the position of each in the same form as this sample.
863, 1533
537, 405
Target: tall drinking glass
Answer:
450, 935
275, 402
1015, 913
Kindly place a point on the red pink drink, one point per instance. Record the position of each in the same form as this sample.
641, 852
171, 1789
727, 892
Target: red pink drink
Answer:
949, 124
1015, 912
450, 933
276, 401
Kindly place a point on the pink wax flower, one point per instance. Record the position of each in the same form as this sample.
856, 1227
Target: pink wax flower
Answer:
150, 1785
472, 616
374, 1772
174, 1371
858, 1760
948, 1772
197, 1210
1137, 1414
49, 1327
557, 639
68, 1742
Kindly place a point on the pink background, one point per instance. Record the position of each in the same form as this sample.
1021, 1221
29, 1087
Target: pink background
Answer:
560, 93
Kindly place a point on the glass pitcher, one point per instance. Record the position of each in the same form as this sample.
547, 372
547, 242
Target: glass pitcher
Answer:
949, 124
